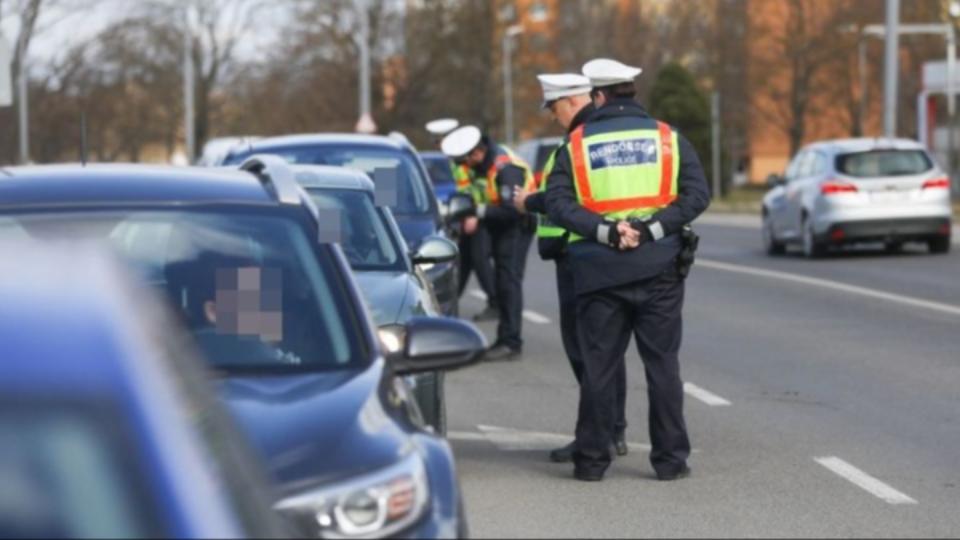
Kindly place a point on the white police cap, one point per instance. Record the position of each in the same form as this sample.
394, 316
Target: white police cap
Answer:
560, 85
461, 141
605, 72
442, 126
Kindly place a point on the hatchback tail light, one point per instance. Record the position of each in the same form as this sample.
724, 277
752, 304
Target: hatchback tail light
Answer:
937, 183
834, 187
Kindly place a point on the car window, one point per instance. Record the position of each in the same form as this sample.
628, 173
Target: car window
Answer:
805, 167
881, 163
818, 164
254, 292
67, 473
411, 194
366, 239
439, 170
793, 169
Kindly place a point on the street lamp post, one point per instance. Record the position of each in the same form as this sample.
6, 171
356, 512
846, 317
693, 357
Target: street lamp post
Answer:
189, 83
508, 36
365, 123
891, 69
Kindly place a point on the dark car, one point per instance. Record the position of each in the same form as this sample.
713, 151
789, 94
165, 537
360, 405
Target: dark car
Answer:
399, 175
536, 152
393, 283
277, 315
104, 431
438, 166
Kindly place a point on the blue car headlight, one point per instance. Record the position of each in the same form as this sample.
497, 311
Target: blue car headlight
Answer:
375, 505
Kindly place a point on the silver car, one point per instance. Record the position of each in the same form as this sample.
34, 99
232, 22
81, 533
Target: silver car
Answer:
858, 190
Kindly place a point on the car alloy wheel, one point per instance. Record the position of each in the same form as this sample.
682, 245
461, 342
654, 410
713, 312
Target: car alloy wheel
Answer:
770, 243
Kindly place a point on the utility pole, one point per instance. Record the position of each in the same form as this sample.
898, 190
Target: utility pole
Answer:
189, 95
23, 102
715, 135
365, 123
508, 36
891, 68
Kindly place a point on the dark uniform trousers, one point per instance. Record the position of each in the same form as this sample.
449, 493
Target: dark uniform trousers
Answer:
571, 343
510, 245
475, 257
651, 311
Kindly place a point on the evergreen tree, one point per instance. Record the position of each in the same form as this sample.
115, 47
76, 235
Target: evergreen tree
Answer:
676, 99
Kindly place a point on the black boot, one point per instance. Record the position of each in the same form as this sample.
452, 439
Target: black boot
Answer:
491, 313
564, 454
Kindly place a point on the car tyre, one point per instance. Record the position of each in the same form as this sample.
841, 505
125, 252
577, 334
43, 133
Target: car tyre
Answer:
940, 245
440, 406
812, 249
770, 243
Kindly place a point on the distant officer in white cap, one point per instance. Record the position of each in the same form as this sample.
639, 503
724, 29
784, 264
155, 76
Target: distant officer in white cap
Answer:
474, 244
441, 127
510, 234
626, 187
567, 96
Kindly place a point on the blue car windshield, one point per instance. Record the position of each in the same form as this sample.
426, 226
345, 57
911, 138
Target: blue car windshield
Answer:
439, 169
411, 196
252, 288
367, 238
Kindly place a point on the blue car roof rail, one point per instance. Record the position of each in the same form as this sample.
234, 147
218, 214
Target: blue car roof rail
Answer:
275, 172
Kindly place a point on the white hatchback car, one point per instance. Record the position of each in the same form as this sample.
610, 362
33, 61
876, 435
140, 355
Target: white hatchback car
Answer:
858, 190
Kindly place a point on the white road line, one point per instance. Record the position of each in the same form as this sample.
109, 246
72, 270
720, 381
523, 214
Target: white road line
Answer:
864, 481
833, 285
709, 398
478, 294
515, 440
465, 436
535, 317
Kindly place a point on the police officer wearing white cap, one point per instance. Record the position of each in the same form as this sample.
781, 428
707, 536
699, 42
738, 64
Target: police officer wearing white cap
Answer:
474, 243
567, 96
625, 186
509, 231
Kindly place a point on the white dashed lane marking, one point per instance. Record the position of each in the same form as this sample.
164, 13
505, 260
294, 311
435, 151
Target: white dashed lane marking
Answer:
864, 481
535, 317
528, 315
519, 440
709, 398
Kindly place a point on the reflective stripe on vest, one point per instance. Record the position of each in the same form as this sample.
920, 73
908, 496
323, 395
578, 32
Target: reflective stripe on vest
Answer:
545, 227
630, 173
505, 157
461, 176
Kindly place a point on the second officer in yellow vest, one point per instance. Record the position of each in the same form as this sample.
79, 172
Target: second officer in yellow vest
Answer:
510, 230
625, 187
474, 242
567, 96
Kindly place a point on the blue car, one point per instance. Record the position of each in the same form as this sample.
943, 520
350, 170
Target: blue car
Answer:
394, 284
438, 165
103, 432
400, 176
277, 315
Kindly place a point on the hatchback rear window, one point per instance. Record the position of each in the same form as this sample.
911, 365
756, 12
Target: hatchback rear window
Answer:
882, 163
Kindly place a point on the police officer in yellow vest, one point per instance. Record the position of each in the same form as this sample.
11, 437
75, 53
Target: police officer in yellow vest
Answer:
625, 186
567, 96
474, 244
509, 231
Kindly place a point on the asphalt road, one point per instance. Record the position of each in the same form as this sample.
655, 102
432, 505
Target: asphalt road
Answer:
825, 402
